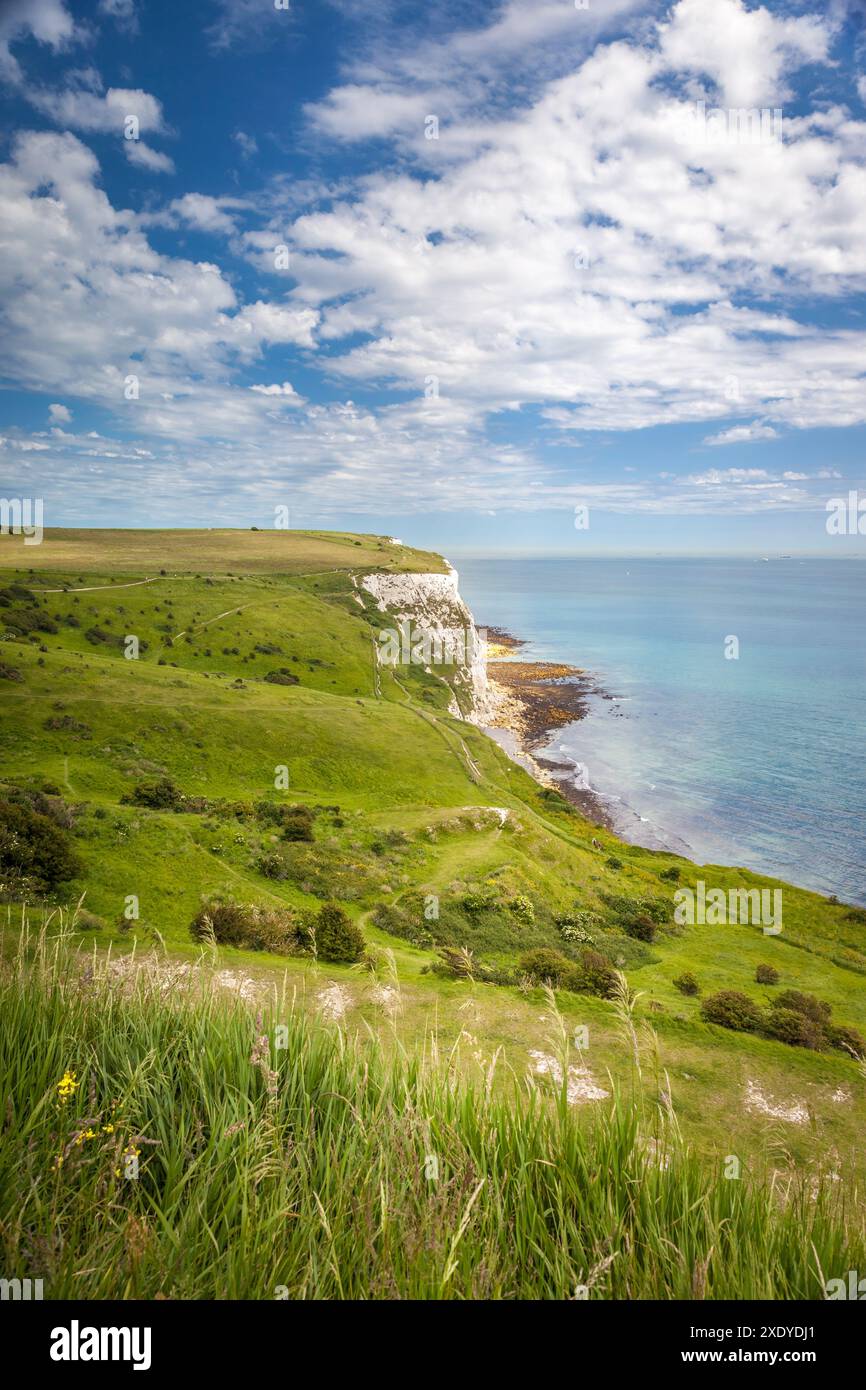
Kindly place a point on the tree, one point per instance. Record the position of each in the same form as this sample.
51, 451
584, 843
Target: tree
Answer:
35, 852
338, 938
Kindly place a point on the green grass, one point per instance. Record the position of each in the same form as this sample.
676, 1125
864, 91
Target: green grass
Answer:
332, 1167
119, 553
375, 758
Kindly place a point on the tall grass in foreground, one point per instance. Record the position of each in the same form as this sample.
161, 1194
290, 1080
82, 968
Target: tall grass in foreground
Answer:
313, 1166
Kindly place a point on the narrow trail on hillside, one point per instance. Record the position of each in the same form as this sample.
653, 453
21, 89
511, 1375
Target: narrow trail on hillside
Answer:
93, 588
470, 767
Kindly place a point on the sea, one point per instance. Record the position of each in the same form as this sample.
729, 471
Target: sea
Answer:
737, 728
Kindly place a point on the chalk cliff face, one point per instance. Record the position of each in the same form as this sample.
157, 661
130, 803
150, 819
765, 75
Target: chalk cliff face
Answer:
432, 606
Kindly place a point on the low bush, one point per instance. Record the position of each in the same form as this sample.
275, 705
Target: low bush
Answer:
732, 1009
26, 620
66, 724
255, 928
544, 965
297, 823
795, 1029
521, 907
767, 975
806, 1004
578, 926
282, 677
687, 983
594, 975
159, 795
399, 923
846, 1039
641, 927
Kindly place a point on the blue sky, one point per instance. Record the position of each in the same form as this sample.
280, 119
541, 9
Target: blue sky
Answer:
446, 272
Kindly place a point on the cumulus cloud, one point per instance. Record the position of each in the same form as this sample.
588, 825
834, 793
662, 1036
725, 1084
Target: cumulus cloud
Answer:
748, 53
743, 434
89, 111
47, 21
145, 157
562, 256
286, 391
201, 212
59, 414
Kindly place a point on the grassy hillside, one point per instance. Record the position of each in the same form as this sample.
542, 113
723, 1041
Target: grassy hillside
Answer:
162, 1145
116, 553
406, 804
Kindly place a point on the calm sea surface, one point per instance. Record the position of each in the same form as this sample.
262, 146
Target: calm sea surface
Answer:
756, 761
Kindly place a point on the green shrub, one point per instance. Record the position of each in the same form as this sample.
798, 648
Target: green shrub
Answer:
399, 923
297, 823
642, 927
9, 673
66, 724
671, 875
161, 795
767, 975
612, 862
521, 907
731, 1009
545, 966
282, 677
806, 1004
478, 900
255, 928
594, 975
625, 911
27, 620
795, 1029
36, 854
338, 938
273, 866
687, 983
577, 926
846, 1039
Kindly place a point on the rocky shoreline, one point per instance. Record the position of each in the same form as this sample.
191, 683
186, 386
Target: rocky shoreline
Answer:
531, 700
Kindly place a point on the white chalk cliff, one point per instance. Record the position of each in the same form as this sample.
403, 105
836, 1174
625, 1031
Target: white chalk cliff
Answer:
433, 605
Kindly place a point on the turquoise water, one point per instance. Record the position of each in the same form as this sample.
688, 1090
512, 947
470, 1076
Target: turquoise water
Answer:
757, 761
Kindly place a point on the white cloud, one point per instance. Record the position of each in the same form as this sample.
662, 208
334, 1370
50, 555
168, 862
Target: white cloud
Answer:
84, 110
48, 21
748, 53
144, 157
286, 391
123, 12
560, 252
743, 434
59, 414
203, 212
247, 144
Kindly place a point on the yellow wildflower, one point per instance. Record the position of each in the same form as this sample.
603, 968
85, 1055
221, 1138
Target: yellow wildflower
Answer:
67, 1086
